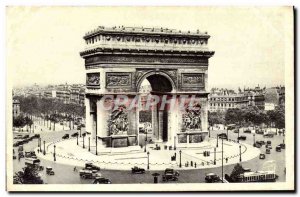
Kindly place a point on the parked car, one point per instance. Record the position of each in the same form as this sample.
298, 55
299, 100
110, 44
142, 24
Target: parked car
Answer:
268, 146
75, 134
223, 136
66, 136
259, 131
91, 166
49, 171
282, 146
170, 175
101, 180
257, 145
269, 135
278, 148
247, 131
268, 151
137, 170
236, 131
242, 137
261, 142
262, 156
89, 174
212, 178
269, 142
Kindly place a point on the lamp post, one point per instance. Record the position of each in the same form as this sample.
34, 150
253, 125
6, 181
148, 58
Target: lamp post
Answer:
148, 167
180, 159
254, 139
40, 142
89, 144
145, 150
174, 142
79, 131
222, 163
217, 140
227, 133
54, 156
240, 147
83, 141
44, 148
77, 139
96, 145
209, 132
215, 149
238, 139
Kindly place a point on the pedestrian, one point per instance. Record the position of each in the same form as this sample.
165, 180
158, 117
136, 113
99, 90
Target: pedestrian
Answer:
38, 150
195, 165
226, 159
75, 169
192, 163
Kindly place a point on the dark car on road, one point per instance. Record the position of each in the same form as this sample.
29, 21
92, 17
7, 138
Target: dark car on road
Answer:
212, 178
278, 148
91, 166
66, 136
101, 180
74, 134
223, 136
137, 170
268, 151
247, 131
262, 156
170, 175
270, 135
259, 131
242, 137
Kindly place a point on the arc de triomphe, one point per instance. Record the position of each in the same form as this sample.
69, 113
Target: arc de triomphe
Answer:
119, 59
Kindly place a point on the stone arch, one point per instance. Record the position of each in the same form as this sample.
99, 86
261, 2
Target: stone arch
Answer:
160, 74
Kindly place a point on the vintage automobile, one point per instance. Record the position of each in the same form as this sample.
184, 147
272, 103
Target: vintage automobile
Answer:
212, 178
259, 131
137, 170
278, 148
14, 157
66, 136
75, 134
49, 171
236, 131
21, 155
91, 166
269, 142
262, 156
25, 136
257, 145
269, 135
101, 180
222, 136
268, 151
268, 146
261, 142
170, 175
242, 137
29, 154
89, 174
282, 146
247, 131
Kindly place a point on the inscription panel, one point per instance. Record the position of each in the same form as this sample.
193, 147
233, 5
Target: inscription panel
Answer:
93, 80
118, 79
192, 79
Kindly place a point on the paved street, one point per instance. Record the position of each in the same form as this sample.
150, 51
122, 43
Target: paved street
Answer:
65, 173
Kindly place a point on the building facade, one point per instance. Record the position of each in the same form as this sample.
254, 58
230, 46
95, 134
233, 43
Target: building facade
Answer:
16, 108
119, 59
223, 99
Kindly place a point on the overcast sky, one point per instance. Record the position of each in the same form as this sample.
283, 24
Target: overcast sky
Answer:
43, 44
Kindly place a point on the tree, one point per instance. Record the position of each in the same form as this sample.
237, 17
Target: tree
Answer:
237, 170
216, 118
29, 175
19, 121
233, 116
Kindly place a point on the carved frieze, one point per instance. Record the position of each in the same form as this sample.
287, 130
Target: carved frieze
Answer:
192, 79
93, 80
118, 79
118, 122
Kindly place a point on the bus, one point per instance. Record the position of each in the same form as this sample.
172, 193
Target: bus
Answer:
32, 161
259, 176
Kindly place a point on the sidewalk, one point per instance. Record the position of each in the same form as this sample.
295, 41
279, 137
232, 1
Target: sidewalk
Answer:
67, 151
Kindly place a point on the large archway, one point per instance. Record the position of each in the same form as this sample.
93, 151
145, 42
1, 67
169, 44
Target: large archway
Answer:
157, 128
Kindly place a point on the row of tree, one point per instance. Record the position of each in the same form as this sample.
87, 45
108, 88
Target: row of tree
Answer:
47, 109
249, 116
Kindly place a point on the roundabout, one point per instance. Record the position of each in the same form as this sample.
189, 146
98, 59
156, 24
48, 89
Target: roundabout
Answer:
184, 158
